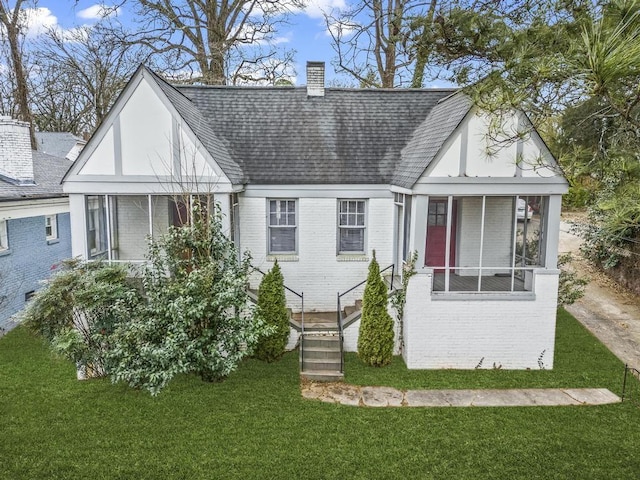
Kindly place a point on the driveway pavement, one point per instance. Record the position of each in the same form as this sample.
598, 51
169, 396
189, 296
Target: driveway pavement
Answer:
610, 312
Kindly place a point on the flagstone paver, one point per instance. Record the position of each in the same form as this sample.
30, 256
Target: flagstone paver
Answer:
354, 395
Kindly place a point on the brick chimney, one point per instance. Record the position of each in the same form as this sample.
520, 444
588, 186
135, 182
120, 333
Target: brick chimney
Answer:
16, 160
315, 79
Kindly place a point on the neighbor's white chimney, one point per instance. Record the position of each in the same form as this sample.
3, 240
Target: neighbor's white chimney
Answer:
315, 79
16, 160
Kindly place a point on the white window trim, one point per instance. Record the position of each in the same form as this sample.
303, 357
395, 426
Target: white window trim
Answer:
51, 221
4, 236
295, 226
352, 227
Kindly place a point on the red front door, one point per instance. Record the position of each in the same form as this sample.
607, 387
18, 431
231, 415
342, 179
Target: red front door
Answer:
437, 235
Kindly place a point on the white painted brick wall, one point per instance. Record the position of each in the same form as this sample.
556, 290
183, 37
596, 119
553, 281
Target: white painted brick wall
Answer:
317, 270
497, 234
133, 227
16, 159
509, 333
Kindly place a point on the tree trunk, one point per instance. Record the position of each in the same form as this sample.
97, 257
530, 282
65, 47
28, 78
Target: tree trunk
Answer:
21, 95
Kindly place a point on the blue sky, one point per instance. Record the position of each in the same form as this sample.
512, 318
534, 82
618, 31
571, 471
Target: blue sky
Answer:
306, 34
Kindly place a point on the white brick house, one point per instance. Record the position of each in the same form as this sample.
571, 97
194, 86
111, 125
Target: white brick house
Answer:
318, 178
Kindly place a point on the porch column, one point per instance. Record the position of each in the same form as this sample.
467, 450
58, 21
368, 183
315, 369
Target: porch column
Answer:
77, 210
418, 235
552, 227
222, 199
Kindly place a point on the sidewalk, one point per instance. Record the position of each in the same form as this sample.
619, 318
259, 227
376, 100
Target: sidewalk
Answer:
354, 395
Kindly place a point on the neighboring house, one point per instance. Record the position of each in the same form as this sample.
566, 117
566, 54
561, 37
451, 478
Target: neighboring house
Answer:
319, 178
60, 144
35, 232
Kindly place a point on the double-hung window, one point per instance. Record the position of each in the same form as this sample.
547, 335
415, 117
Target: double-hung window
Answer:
4, 236
282, 226
51, 227
351, 226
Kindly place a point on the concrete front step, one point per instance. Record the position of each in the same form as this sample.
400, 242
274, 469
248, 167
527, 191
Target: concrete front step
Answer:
322, 353
322, 376
320, 364
331, 342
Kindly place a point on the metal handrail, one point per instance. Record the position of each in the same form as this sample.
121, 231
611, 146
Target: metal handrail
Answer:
340, 334
392, 267
634, 372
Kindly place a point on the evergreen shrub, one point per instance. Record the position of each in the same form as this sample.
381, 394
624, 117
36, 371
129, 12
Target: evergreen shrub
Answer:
375, 340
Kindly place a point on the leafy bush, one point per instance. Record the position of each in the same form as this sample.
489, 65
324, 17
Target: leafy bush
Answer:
570, 287
375, 339
197, 317
79, 309
272, 304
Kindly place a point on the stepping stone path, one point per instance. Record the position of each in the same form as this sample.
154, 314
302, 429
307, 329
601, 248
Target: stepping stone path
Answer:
357, 396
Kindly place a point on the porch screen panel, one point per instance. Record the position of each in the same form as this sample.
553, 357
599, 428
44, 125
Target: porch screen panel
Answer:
161, 212
96, 214
407, 227
132, 226
351, 226
282, 226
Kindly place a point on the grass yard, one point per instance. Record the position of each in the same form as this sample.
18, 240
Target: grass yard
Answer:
256, 425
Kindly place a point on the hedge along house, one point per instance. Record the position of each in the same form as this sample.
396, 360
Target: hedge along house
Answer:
35, 232
319, 178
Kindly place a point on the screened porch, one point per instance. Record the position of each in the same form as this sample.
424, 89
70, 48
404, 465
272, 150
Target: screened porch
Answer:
118, 227
478, 244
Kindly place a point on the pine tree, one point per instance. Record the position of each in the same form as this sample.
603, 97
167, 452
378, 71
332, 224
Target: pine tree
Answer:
273, 309
375, 340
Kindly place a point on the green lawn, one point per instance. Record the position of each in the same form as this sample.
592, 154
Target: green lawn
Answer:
256, 425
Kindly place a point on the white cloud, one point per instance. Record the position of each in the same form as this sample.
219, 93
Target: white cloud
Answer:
98, 12
38, 20
341, 29
317, 8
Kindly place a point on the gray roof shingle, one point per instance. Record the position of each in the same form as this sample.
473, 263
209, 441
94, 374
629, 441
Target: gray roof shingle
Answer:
428, 138
279, 135
58, 144
48, 172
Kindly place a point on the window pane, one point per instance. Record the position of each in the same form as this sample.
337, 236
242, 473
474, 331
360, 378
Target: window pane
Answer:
360, 207
291, 219
282, 240
272, 206
360, 219
4, 243
351, 240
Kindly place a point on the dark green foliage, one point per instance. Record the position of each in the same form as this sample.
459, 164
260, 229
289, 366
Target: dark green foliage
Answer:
197, 317
375, 340
79, 309
570, 286
272, 305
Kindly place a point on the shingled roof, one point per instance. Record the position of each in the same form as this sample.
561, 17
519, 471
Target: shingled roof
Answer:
48, 172
279, 135
428, 138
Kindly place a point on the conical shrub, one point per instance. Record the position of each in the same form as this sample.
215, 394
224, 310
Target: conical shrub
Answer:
375, 340
272, 304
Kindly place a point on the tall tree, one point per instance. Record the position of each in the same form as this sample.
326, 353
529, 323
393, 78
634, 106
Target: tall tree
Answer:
373, 40
11, 26
82, 71
216, 42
